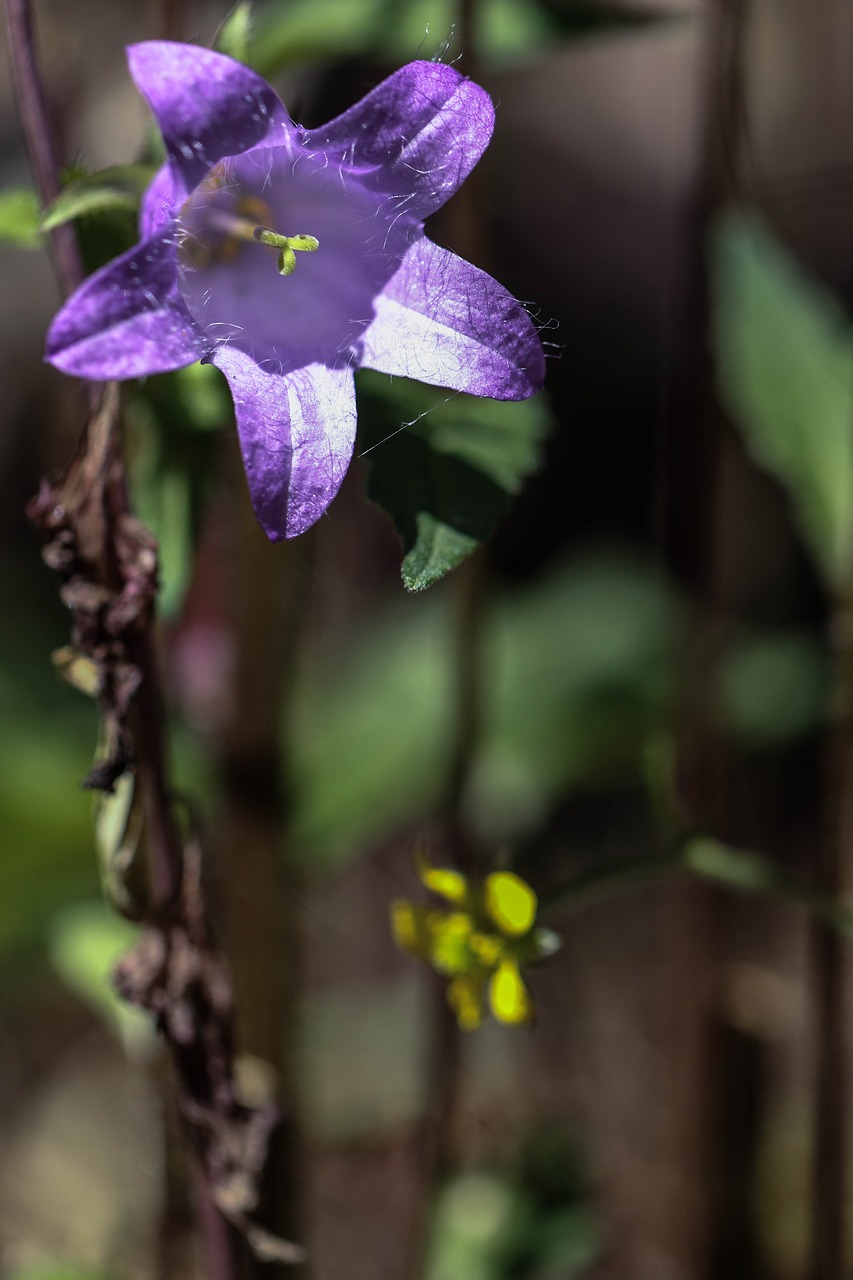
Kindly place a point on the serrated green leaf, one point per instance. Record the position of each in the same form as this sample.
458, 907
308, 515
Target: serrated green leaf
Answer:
444, 467
784, 355
118, 187
234, 36
19, 218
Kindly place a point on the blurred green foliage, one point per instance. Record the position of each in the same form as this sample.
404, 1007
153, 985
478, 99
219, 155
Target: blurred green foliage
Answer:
576, 673
19, 218
534, 1222
317, 30
175, 463
784, 354
272, 37
45, 750
118, 187
773, 687
85, 940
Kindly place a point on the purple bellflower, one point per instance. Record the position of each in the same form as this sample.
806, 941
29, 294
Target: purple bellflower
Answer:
289, 257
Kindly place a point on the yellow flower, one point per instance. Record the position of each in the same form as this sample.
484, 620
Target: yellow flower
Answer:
479, 944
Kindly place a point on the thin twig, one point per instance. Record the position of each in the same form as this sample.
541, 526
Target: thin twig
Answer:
38, 135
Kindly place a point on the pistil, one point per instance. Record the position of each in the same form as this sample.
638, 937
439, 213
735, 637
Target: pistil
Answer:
238, 228
242, 223
289, 246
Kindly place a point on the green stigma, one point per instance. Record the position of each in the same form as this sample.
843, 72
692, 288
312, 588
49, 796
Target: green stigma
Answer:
241, 225
289, 246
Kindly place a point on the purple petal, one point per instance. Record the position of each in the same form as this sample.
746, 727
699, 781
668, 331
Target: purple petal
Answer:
207, 105
160, 203
421, 131
297, 432
127, 320
441, 320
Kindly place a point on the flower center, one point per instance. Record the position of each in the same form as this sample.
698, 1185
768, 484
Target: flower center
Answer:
252, 206
215, 229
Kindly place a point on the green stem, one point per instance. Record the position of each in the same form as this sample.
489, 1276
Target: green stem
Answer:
737, 870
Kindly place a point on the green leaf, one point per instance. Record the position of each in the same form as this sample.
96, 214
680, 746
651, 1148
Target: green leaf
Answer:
119, 187
784, 356
444, 467
438, 548
738, 869
19, 218
234, 36
86, 940
118, 828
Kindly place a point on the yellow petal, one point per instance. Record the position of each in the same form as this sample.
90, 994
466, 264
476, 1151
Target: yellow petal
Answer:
510, 902
413, 928
508, 996
465, 997
448, 884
